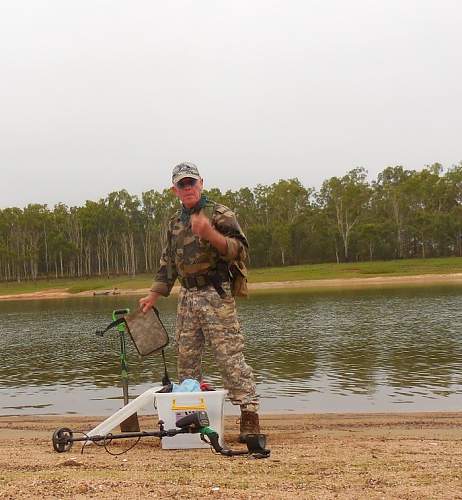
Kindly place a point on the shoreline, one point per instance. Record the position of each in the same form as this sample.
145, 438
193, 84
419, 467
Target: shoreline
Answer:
334, 455
319, 284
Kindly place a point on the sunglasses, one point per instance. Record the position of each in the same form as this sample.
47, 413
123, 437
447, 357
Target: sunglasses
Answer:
185, 183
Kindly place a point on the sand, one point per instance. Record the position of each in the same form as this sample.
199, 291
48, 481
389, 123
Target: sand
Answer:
360, 456
347, 283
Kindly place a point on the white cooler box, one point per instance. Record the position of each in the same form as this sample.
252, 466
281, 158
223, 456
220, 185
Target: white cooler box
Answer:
171, 406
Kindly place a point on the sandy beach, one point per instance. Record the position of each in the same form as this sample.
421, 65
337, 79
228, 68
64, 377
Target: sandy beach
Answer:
347, 283
350, 456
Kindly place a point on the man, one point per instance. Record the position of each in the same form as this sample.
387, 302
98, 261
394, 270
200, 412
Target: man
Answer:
203, 239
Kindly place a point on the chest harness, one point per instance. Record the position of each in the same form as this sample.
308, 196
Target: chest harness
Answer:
214, 277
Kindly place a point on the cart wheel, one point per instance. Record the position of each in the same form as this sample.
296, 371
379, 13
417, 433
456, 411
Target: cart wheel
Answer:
62, 440
256, 443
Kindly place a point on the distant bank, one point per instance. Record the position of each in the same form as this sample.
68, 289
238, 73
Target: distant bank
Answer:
313, 284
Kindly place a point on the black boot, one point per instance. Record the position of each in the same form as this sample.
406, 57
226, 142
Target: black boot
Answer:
249, 424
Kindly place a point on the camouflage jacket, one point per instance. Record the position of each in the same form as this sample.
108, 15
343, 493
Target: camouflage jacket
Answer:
185, 254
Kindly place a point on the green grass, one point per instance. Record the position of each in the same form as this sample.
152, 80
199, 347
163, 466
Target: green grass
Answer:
76, 285
407, 267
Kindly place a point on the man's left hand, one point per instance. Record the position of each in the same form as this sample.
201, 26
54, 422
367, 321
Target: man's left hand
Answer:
201, 226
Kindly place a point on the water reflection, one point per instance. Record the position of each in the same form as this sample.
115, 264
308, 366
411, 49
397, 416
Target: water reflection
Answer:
357, 350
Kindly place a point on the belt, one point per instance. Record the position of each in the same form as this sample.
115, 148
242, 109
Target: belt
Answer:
200, 281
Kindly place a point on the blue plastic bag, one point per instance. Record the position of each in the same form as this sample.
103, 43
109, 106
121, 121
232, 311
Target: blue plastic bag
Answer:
188, 385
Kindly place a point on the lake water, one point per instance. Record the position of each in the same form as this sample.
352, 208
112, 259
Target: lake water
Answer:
366, 350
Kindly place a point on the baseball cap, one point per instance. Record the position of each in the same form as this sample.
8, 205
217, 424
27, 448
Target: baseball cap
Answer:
183, 170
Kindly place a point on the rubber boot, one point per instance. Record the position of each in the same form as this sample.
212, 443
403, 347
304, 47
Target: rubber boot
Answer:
249, 424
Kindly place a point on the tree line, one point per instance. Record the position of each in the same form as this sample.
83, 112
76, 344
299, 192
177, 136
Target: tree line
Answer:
400, 214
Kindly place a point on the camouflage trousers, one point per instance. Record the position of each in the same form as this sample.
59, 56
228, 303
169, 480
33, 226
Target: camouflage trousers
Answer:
204, 317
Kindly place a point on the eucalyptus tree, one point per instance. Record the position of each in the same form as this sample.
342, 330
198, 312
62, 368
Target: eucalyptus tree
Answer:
8, 256
263, 209
288, 201
124, 226
34, 236
245, 207
259, 237
95, 223
345, 200
13, 242
426, 196
156, 209
391, 200
61, 247
453, 179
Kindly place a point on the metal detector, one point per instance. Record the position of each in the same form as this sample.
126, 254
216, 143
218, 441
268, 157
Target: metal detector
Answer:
196, 422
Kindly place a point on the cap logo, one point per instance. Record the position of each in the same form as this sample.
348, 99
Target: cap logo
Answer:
185, 170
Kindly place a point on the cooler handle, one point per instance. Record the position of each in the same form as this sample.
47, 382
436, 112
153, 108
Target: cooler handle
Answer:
200, 406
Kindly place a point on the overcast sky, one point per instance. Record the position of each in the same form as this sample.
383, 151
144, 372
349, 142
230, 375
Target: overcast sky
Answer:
97, 96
